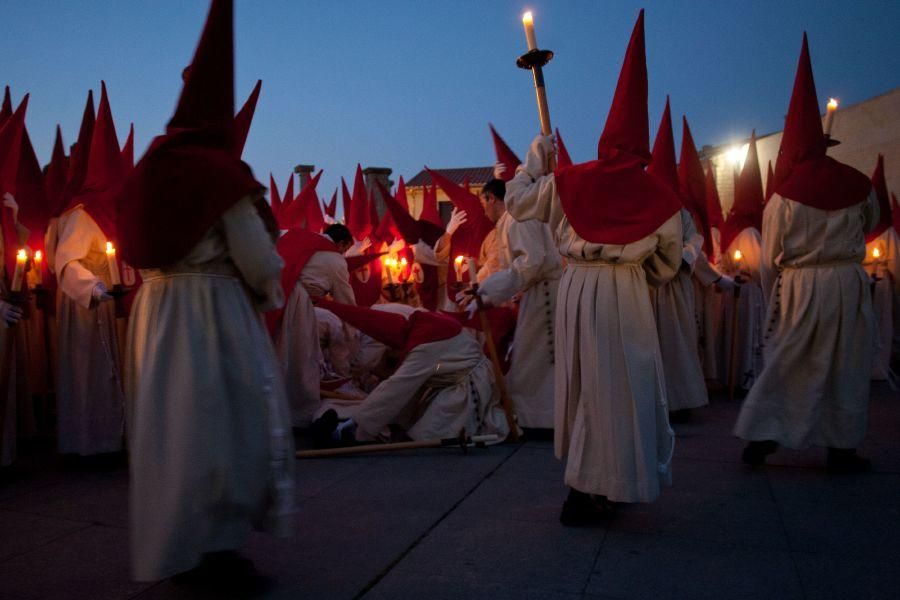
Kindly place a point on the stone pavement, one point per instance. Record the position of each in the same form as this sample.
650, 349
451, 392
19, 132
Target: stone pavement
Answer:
438, 524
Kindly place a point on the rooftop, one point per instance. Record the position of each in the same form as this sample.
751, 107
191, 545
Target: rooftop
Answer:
476, 175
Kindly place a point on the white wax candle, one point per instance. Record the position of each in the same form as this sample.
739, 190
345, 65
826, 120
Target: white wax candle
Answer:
473, 271
386, 263
830, 109
457, 267
21, 259
113, 264
528, 23
39, 266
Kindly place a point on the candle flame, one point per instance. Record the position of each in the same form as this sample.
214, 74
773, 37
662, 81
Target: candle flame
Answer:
38, 255
832, 104
21, 255
876, 253
738, 256
403, 262
110, 249
528, 18
459, 260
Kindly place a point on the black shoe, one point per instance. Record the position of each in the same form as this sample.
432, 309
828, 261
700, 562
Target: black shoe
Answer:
845, 460
323, 427
756, 452
584, 510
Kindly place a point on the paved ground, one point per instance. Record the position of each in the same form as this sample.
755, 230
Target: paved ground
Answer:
438, 524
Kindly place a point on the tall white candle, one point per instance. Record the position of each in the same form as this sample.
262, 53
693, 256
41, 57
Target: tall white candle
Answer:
830, 109
21, 259
528, 23
457, 267
473, 271
39, 266
113, 264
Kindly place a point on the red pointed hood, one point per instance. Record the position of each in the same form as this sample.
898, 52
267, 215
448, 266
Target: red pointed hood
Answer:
34, 213
770, 181
331, 207
105, 171
505, 155
6, 109
713, 210
563, 159
189, 177
612, 200
361, 260
357, 219
885, 219
315, 220
57, 173
10, 151
430, 210
287, 201
626, 134
207, 97
244, 118
346, 200
295, 214
692, 182
10, 147
467, 240
128, 151
803, 172
663, 165
393, 330
387, 230
408, 228
747, 209
81, 151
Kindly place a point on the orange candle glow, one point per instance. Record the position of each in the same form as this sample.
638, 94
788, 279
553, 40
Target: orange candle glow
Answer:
39, 266
21, 259
457, 266
113, 264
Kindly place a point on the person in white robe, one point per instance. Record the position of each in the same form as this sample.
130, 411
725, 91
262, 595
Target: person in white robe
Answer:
611, 416
89, 397
299, 352
529, 268
676, 324
882, 263
436, 388
814, 388
210, 438
751, 309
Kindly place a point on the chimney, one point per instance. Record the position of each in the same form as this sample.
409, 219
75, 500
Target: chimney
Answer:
304, 172
382, 174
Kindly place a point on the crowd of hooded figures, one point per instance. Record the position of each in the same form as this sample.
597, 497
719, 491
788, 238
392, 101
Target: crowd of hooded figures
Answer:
170, 307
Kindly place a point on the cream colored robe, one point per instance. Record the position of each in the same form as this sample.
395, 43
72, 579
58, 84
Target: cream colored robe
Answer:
814, 389
335, 344
89, 398
611, 413
676, 325
708, 305
439, 389
209, 428
885, 298
751, 305
529, 264
298, 347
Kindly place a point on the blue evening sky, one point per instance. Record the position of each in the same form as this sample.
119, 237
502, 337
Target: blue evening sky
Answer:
404, 83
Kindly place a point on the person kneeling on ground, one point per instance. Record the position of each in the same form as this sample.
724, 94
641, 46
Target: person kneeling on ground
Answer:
437, 380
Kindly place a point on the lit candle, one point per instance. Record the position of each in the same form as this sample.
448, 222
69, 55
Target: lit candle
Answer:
528, 23
738, 257
457, 266
387, 264
876, 253
830, 109
473, 271
113, 264
21, 259
39, 266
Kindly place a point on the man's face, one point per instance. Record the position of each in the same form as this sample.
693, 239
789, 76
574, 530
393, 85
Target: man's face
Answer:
489, 205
